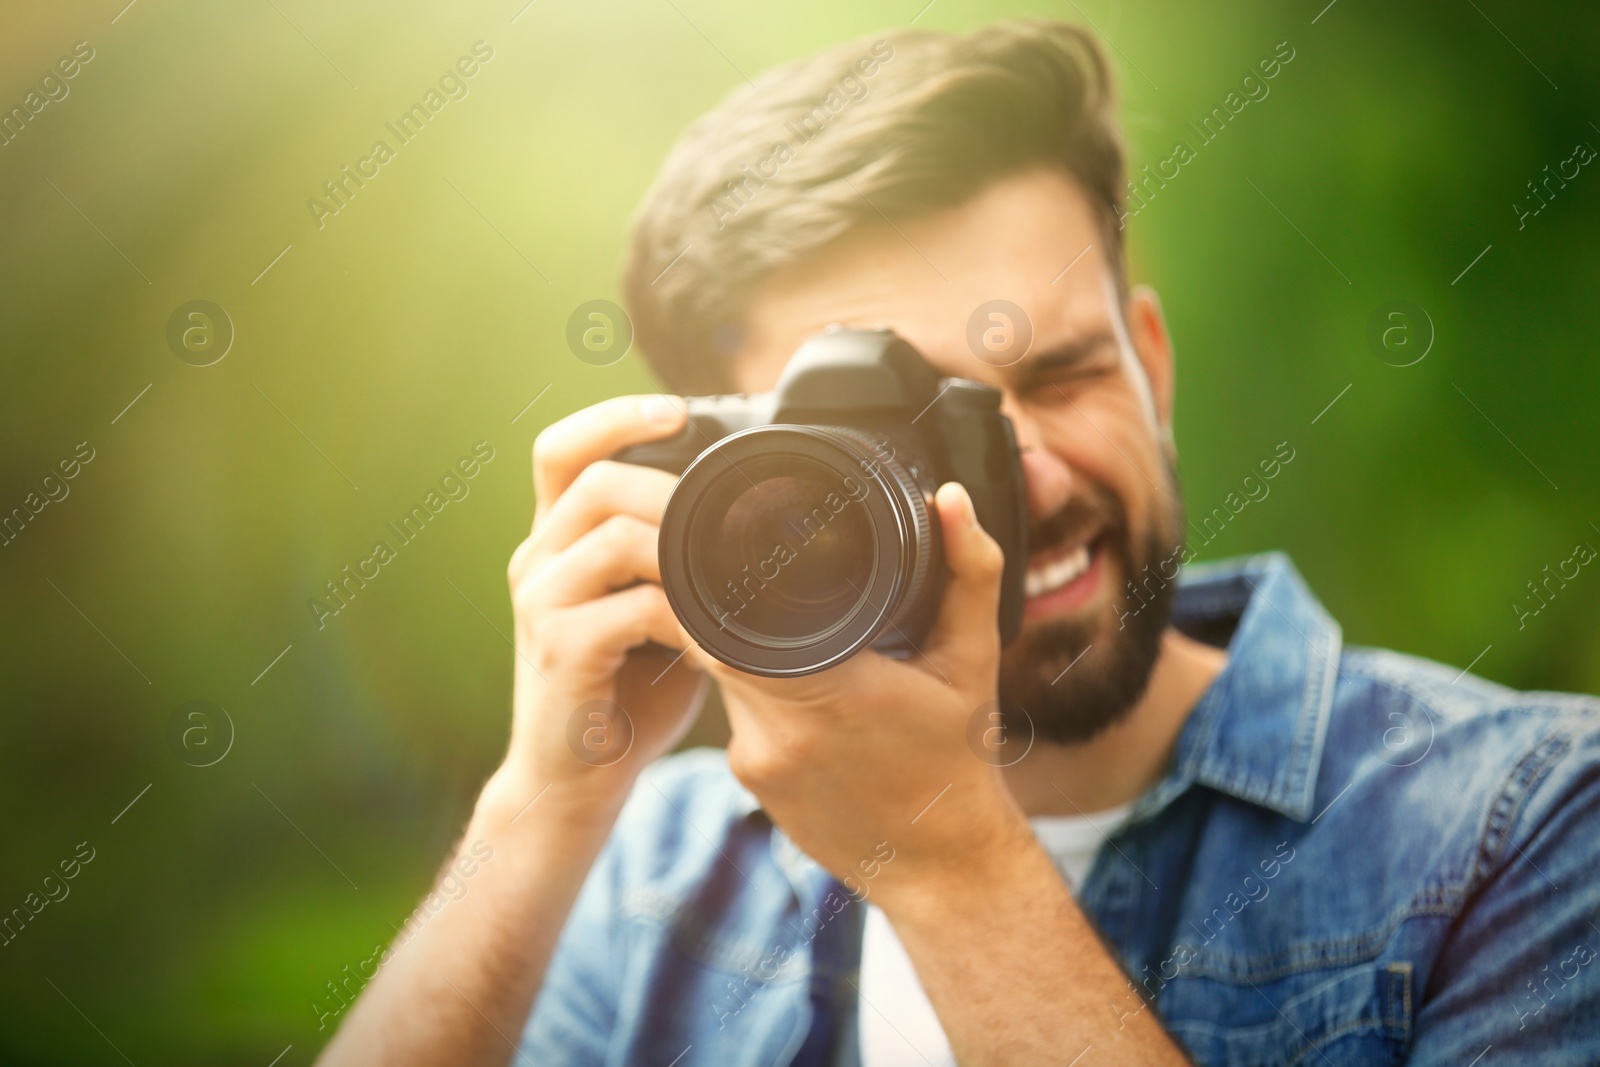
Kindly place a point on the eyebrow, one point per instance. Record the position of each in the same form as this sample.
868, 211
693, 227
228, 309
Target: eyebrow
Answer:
1063, 356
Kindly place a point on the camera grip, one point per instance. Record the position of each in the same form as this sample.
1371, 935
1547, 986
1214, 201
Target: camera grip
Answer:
981, 452
672, 454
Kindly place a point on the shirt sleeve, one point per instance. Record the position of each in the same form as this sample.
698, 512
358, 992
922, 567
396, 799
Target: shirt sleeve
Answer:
1520, 973
575, 1012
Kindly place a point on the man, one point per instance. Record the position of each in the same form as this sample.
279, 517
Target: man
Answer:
1233, 839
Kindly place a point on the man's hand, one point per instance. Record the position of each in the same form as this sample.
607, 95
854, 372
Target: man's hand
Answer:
584, 588
875, 749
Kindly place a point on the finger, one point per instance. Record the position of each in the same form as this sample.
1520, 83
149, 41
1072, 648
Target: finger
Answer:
778, 701
615, 554
588, 642
966, 627
564, 448
755, 742
602, 490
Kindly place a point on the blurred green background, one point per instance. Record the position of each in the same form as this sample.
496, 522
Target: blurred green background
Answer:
429, 312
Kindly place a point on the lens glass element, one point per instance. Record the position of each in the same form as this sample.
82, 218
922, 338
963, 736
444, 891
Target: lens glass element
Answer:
786, 548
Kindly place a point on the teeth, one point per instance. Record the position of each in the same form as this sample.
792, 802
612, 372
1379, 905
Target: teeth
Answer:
1052, 576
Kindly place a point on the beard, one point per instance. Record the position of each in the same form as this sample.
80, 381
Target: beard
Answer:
1073, 678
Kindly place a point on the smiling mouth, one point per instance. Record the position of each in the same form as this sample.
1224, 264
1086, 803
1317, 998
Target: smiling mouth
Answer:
1062, 580
1051, 574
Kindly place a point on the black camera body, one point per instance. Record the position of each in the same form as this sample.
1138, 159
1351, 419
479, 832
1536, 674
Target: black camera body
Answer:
802, 529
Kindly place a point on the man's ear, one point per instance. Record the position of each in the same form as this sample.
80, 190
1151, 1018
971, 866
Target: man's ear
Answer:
1147, 329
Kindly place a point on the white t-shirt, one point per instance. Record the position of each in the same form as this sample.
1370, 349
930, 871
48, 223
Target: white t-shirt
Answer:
898, 1025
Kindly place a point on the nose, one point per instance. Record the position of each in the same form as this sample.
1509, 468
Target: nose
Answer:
1048, 477
1049, 482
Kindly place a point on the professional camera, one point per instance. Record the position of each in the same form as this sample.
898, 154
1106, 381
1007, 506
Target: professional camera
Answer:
802, 528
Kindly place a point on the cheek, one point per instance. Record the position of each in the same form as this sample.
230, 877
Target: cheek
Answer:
1105, 439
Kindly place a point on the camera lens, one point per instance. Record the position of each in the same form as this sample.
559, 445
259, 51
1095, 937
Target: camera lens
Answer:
786, 549
800, 535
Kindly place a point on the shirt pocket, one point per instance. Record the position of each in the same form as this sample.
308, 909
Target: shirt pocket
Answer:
1353, 1015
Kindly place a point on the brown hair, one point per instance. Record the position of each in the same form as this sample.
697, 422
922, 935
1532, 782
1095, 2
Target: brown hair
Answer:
894, 126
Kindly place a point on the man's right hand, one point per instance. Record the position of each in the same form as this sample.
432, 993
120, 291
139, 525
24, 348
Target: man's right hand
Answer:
586, 595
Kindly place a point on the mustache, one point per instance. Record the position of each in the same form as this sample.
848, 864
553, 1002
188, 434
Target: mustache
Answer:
1080, 515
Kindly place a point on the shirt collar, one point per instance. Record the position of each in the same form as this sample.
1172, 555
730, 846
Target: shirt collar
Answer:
1257, 733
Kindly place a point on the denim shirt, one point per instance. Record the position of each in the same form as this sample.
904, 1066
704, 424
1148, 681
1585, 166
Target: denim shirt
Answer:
1354, 857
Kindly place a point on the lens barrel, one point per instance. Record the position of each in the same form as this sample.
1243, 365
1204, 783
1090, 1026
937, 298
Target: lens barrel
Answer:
786, 549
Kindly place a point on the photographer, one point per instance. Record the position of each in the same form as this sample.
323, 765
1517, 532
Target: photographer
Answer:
1221, 835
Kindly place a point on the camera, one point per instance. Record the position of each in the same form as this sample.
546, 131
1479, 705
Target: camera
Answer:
802, 529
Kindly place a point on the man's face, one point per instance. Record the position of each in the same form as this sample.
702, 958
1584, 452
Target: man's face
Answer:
1091, 401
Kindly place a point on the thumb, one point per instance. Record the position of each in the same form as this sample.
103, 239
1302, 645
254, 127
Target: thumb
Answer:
967, 632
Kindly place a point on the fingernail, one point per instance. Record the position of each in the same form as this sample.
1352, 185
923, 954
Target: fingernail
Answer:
661, 411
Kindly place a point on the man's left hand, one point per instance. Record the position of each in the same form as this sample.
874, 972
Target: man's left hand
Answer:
875, 750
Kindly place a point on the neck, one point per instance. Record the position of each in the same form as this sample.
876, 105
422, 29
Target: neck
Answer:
1127, 758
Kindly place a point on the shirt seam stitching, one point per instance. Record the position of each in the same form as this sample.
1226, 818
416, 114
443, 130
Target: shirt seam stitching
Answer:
1346, 951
